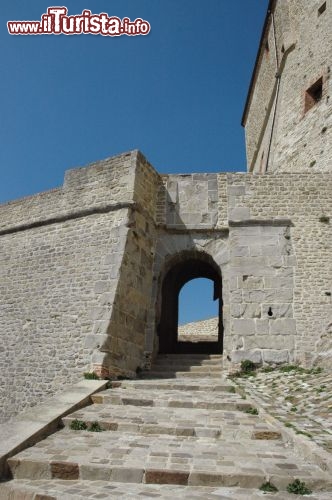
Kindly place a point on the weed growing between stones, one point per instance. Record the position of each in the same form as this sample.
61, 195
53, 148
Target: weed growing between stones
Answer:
298, 488
251, 411
248, 366
95, 427
78, 425
267, 369
290, 368
297, 431
90, 376
248, 369
304, 433
268, 487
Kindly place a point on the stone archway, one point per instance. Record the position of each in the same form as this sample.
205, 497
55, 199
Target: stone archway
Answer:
184, 269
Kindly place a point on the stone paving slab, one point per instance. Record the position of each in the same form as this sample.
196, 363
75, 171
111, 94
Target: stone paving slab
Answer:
131, 461
41, 420
176, 421
300, 400
166, 459
78, 490
171, 398
202, 367
176, 361
203, 384
180, 374
193, 357
182, 366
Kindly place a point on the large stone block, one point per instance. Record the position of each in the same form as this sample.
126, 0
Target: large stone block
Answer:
279, 282
246, 311
275, 356
262, 326
269, 342
283, 326
277, 310
243, 326
239, 214
240, 251
258, 296
252, 282
283, 295
237, 356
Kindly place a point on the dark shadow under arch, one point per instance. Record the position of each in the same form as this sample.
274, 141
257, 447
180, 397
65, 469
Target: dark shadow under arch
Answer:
183, 270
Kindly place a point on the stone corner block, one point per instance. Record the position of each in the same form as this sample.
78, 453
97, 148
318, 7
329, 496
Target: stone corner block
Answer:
255, 356
239, 214
244, 326
275, 356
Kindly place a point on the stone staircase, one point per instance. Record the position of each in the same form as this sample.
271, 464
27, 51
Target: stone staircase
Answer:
180, 431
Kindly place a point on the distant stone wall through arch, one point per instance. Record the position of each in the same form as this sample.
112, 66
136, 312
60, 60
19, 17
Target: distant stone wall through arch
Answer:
185, 267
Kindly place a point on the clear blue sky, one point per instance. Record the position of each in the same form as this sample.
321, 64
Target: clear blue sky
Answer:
176, 94
196, 301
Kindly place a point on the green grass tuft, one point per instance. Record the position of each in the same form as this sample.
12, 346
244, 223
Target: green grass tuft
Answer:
90, 376
251, 411
268, 487
95, 427
298, 488
78, 425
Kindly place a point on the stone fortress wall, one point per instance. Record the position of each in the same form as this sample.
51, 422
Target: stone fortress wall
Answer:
81, 269
286, 130
82, 266
60, 254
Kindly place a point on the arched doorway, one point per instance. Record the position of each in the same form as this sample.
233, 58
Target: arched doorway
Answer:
187, 268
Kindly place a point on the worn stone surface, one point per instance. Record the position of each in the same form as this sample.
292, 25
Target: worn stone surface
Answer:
76, 490
85, 293
300, 399
82, 267
294, 54
229, 454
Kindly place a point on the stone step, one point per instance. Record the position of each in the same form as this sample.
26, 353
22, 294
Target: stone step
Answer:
173, 398
187, 362
193, 357
176, 367
182, 434
179, 374
175, 421
130, 458
177, 384
56, 489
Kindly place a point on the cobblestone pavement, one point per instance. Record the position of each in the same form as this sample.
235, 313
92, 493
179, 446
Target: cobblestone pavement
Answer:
175, 437
301, 399
78, 490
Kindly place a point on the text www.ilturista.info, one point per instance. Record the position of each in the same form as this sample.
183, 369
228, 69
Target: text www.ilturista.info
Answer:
57, 22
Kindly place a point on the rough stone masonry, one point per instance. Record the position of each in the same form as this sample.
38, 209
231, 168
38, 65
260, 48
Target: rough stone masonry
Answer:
85, 269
